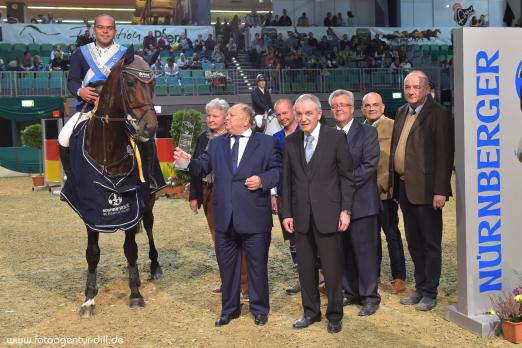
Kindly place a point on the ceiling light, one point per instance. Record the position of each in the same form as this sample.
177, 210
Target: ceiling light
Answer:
79, 8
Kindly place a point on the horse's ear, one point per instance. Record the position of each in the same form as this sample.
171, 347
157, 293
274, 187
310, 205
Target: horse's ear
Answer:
129, 55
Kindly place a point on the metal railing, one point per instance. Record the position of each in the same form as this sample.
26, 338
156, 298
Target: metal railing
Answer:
286, 81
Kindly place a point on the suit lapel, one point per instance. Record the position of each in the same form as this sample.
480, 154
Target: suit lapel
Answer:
227, 152
353, 132
250, 148
421, 117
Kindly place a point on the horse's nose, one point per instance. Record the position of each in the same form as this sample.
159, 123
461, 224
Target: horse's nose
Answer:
150, 128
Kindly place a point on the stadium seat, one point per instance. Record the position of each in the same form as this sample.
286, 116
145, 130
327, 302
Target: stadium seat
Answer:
34, 49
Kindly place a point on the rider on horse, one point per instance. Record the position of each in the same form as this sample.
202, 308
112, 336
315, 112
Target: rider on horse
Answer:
90, 66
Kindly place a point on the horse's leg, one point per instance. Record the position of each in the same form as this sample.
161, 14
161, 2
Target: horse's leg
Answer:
148, 222
92, 254
131, 253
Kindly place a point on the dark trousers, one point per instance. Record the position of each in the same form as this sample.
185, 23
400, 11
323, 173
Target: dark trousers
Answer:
423, 227
388, 220
361, 257
328, 246
228, 252
208, 208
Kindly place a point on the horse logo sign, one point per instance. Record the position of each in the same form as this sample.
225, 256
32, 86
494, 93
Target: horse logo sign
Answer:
115, 199
461, 15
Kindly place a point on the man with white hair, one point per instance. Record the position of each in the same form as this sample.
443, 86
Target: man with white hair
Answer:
317, 203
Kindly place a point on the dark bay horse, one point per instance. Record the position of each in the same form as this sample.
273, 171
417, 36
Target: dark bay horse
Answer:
126, 97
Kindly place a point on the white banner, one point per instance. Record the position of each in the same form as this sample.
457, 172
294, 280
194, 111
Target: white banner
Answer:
418, 36
67, 33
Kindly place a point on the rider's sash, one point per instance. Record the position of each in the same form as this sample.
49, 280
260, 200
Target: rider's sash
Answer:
101, 70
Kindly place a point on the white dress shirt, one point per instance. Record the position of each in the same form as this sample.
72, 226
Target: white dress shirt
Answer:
242, 144
315, 134
346, 128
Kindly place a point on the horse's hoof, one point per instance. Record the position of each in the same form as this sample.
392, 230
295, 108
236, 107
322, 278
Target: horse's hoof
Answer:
86, 311
156, 273
136, 302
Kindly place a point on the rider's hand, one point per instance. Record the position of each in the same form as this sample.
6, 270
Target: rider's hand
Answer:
88, 94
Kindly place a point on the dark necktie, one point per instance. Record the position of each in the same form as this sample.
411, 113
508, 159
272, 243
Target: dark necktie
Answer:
235, 153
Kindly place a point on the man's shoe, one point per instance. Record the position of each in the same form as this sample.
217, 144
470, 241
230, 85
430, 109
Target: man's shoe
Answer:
217, 290
368, 309
348, 301
225, 319
335, 326
398, 286
294, 289
412, 299
260, 319
304, 322
426, 304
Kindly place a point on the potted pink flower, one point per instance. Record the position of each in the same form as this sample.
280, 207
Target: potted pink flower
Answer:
508, 307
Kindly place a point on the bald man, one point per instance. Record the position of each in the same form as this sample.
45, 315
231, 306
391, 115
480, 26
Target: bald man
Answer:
388, 218
420, 168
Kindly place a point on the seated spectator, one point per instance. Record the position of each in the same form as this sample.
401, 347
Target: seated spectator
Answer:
482, 22
313, 64
328, 20
157, 68
196, 62
324, 47
210, 43
275, 21
57, 51
149, 50
296, 61
285, 21
84, 39
405, 65
474, 22
303, 21
163, 42
231, 48
344, 42
312, 41
270, 59
56, 63
396, 65
183, 62
204, 55
217, 56
290, 40
171, 69
332, 56
304, 48
279, 44
150, 40
26, 64
66, 61
334, 21
215, 78
218, 27
350, 19
199, 43
12, 20
185, 43
212, 73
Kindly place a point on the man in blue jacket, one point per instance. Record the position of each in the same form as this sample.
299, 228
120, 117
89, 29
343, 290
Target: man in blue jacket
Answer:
246, 166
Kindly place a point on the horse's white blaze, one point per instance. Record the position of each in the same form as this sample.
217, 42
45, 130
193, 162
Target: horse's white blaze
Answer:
88, 303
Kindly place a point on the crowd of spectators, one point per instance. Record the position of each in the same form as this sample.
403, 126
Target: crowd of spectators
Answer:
302, 50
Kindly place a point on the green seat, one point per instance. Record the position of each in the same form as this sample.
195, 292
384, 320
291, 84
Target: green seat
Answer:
160, 90
5, 47
19, 48
188, 85
175, 88
34, 49
185, 74
46, 49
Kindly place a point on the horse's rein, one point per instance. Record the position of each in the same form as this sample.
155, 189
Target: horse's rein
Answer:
145, 76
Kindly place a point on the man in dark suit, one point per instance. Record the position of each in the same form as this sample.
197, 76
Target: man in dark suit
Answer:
246, 166
201, 189
420, 167
261, 99
360, 242
317, 203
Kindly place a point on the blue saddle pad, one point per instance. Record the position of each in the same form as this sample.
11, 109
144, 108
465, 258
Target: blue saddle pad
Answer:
103, 205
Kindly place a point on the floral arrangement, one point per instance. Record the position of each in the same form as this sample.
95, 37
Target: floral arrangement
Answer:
508, 307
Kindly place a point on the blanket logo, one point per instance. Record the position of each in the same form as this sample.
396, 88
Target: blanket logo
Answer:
115, 199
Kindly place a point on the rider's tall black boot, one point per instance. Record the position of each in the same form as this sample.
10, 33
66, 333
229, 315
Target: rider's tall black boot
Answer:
148, 154
65, 158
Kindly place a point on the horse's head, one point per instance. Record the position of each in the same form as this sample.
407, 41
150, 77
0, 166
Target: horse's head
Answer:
137, 89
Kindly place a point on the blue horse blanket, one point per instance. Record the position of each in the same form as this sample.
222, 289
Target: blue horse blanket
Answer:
103, 204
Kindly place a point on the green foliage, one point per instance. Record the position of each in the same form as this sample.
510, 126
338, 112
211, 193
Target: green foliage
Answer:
32, 136
175, 129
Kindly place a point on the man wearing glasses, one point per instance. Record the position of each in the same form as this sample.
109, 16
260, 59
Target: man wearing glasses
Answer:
360, 242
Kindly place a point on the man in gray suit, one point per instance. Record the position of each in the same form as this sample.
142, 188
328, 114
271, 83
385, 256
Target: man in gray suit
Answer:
317, 204
360, 243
